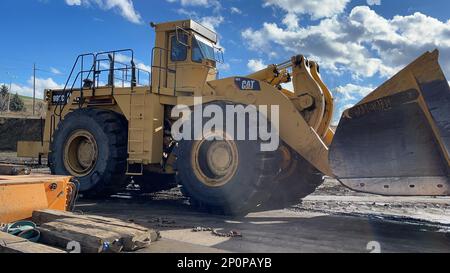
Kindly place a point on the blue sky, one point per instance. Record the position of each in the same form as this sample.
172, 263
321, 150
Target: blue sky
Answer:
359, 43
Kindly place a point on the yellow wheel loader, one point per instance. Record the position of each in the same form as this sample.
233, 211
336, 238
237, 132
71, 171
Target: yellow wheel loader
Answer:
113, 120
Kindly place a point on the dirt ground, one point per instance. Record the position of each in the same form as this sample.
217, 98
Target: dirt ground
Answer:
333, 219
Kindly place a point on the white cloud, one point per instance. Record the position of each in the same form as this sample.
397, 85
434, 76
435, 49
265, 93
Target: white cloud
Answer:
352, 91
73, 2
211, 22
324, 42
124, 59
223, 66
338, 112
399, 40
291, 21
317, 9
199, 3
235, 10
346, 96
188, 13
124, 7
144, 67
363, 43
255, 65
288, 86
55, 71
41, 85
373, 2
191, 2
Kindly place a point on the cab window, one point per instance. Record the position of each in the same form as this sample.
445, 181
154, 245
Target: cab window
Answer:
197, 55
201, 51
179, 51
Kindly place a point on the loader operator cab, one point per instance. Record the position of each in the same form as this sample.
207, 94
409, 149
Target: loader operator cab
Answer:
184, 58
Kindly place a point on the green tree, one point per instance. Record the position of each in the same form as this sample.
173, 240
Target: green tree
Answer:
17, 104
4, 91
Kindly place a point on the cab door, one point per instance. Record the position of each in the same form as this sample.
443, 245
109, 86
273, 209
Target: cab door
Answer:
184, 74
178, 59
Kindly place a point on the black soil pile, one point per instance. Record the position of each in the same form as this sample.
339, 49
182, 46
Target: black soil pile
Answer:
13, 130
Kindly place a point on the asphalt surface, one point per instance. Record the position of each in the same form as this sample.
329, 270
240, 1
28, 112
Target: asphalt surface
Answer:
333, 219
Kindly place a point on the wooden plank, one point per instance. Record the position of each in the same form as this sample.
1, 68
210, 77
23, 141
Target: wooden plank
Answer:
13, 244
92, 232
91, 240
48, 215
30, 179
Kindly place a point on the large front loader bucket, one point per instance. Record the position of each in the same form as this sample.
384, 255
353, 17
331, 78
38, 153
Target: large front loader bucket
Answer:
396, 141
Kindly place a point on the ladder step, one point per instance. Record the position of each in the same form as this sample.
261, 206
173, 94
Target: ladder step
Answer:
136, 140
138, 169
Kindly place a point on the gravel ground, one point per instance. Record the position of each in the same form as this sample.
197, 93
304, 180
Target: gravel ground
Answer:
336, 199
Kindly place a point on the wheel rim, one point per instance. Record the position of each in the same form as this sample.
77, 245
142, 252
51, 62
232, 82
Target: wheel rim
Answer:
80, 153
214, 161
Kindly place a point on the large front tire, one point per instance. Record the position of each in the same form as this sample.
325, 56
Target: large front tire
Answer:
297, 180
91, 145
226, 176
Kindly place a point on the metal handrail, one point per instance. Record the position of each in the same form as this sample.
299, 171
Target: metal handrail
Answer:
82, 56
95, 71
104, 70
161, 68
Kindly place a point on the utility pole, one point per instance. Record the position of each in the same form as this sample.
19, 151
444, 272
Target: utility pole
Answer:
9, 95
34, 86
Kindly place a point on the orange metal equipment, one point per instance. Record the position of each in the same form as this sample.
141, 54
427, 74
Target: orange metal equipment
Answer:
21, 195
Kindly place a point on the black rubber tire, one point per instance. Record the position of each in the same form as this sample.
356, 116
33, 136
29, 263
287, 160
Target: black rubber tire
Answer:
249, 187
303, 180
110, 132
154, 182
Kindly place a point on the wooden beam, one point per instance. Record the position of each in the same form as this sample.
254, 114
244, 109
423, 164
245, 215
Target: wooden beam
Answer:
95, 234
13, 244
10, 169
